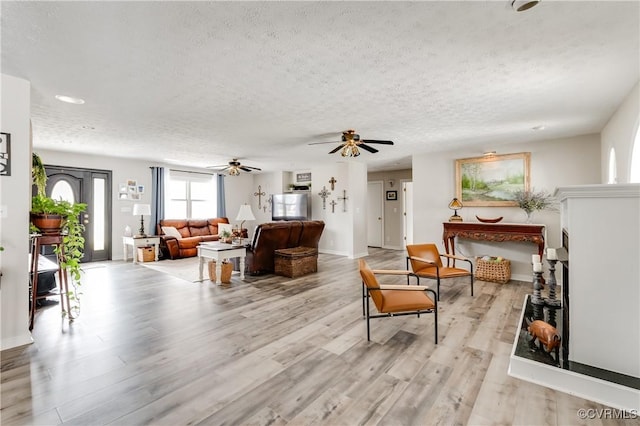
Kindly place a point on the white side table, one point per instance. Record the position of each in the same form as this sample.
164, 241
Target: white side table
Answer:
218, 251
135, 242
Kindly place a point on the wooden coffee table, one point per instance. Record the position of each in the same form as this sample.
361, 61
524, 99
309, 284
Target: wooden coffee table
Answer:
219, 251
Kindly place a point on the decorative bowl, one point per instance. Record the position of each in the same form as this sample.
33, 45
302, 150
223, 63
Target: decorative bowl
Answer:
489, 220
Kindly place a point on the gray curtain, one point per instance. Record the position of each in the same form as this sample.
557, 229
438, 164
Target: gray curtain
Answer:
222, 209
157, 197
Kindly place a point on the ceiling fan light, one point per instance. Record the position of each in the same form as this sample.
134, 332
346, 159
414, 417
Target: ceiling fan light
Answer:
233, 171
350, 150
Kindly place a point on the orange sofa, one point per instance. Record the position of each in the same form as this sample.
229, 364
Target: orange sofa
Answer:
192, 231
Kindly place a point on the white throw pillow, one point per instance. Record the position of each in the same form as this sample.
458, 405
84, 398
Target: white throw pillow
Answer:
171, 231
224, 227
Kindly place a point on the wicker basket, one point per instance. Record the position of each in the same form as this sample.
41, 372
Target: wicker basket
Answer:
493, 270
146, 254
225, 276
296, 261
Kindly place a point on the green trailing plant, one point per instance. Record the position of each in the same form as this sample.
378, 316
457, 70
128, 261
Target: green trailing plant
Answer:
72, 239
72, 229
38, 174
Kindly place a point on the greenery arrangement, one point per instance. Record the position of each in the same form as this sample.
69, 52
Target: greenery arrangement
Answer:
38, 174
71, 227
532, 200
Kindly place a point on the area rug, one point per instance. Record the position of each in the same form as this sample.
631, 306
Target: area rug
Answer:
185, 269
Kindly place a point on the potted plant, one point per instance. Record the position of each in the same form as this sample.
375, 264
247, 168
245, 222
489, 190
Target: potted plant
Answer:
59, 217
531, 201
225, 236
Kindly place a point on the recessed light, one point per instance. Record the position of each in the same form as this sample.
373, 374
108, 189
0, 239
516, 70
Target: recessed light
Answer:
538, 128
522, 5
70, 99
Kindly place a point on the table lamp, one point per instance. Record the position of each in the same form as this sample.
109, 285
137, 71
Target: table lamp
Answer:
455, 205
141, 209
244, 214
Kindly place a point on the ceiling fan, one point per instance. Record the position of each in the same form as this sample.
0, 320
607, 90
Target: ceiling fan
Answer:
234, 167
351, 143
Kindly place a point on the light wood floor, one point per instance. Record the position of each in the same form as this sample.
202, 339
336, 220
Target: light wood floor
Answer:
149, 348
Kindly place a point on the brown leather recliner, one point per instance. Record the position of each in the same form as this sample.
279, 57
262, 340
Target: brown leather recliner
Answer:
272, 236
193, 231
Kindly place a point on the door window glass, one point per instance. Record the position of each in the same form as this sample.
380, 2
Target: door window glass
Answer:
98, 214
62, 191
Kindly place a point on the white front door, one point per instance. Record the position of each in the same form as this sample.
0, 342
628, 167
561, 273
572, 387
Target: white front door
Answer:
375, 216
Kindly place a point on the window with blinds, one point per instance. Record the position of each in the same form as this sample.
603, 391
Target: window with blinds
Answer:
190, 195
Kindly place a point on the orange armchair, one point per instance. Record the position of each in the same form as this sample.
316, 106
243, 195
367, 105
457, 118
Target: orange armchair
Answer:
396, 300
426, 262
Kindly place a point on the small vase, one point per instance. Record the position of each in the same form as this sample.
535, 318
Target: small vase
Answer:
529, 216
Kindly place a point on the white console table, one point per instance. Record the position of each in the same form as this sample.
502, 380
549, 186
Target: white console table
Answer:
135, 242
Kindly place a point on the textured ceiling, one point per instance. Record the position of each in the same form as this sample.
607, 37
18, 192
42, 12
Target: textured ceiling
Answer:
202, 82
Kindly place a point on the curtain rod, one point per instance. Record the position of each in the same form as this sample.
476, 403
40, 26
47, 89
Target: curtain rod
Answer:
195, 173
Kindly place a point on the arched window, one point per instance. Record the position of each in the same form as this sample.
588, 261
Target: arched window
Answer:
634, 176
613, 171
62, 191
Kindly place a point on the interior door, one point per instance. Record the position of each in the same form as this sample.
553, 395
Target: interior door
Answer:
92, 187
375, 214
407, 211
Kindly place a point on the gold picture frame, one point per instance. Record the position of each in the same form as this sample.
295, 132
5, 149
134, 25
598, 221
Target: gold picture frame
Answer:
491, 181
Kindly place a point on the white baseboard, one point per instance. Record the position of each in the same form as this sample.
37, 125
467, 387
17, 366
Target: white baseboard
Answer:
336, 252
14, 342
359, 255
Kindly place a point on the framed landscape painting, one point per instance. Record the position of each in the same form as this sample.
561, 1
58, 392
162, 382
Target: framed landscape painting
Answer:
492, 180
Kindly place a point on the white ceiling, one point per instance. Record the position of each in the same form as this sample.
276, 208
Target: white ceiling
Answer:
202, 82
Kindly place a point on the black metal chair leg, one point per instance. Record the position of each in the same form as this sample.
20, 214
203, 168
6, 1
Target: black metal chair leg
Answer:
368, 332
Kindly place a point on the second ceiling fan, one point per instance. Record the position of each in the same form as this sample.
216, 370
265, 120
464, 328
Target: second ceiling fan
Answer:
234, 167
351, 144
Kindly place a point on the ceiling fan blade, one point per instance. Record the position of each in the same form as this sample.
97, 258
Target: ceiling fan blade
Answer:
367, 148
244, 168
220, 167
320, 143
376, 141
333, 151
252, 168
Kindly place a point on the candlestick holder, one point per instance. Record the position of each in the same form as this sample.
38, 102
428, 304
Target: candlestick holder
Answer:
537, 299
552, 301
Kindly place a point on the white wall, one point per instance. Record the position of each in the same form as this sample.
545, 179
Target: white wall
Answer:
345, 232
620, 133
270, 183
237, 191
558, 162
15, 202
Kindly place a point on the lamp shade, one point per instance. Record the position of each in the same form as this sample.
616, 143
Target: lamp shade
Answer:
245, 213
455, 204
141, 209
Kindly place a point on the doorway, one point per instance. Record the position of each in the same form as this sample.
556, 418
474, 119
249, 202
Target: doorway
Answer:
92, 187
375, 214
407, 211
